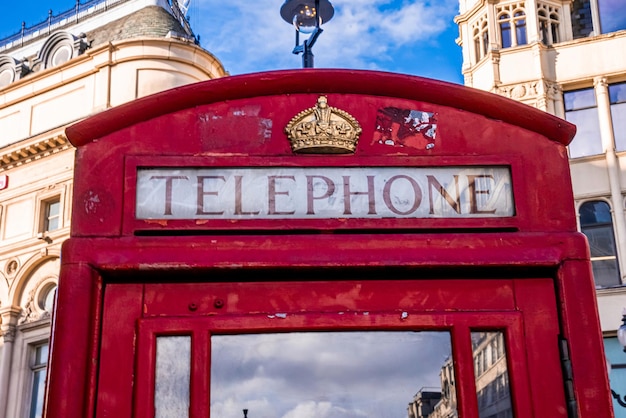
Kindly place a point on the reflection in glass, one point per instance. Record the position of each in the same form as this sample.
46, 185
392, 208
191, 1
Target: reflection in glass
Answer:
173, 370
329, 374
492, 376
581, 110
617, 95
597, 225
38, 368
612, 16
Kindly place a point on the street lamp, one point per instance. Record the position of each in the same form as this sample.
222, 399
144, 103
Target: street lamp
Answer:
621, 337
307, 16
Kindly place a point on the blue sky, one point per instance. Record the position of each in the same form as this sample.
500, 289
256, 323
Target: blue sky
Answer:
407, 36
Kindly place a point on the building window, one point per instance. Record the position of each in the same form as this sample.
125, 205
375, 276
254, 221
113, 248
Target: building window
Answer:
581, 110
38, 369
51, 214
593, 17
612, 15
520, 28
617, 95
512, 22
505, 31
597, 225
548, 24
481, 39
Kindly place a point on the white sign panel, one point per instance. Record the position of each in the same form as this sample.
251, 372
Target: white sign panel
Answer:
324, 193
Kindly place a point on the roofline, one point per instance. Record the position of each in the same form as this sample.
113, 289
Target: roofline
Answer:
319, 81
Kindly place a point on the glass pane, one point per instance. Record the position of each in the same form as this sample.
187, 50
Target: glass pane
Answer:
520, 31
605, 273
593, 213
173, 371
48, 300
587, 140
492, 376
582, 23
612, 15
332, 375
618, 115
601, 242
579, 99
617, 93
41, 355
505, 34
53, 209
52, 216
36, 400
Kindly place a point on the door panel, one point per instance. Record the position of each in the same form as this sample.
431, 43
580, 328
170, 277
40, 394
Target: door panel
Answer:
491, 329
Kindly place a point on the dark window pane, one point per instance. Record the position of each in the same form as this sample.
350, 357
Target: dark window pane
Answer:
592, 213
582, 24
505, 33
612, 15
520, 29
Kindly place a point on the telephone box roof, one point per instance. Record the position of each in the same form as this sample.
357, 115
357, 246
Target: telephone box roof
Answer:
323, 81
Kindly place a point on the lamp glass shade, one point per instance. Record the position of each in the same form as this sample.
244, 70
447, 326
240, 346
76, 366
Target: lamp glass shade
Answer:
303, 15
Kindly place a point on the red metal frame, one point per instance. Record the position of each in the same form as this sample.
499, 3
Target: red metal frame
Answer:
528, 273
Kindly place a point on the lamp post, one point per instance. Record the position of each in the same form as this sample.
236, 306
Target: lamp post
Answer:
621, 337
307, 16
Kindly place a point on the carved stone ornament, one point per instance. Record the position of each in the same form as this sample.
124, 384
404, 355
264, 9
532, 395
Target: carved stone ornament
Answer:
323, 130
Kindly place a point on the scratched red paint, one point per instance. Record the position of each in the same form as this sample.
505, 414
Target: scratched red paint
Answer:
406, 128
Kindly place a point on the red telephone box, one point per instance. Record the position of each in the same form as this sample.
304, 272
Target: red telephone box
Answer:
325, 243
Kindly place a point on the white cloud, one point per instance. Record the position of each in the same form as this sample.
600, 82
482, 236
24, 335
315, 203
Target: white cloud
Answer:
371, 34
326, 375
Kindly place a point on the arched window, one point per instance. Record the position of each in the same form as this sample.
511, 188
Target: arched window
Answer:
596, 223
520, 28
505, 31
512, 23
481, 40
549, 25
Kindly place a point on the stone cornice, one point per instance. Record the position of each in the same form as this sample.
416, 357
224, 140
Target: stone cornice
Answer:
32, 150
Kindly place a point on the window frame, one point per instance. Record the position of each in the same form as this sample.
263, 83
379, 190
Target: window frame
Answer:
594, 8
28, 336
549, 24
42, 217
601, 225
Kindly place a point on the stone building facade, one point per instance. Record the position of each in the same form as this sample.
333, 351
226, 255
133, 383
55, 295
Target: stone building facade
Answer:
568, 57
99, 55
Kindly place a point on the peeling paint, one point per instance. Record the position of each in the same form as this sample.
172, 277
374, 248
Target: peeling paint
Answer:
91, 201
405, 128
278, 315
161, 222
404, 315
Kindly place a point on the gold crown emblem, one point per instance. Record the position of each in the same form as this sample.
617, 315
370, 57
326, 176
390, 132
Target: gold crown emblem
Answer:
323, 130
